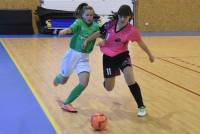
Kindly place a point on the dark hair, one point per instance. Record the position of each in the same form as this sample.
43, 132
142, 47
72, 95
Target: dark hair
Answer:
125, 10
83, 10
113, 16
77, 13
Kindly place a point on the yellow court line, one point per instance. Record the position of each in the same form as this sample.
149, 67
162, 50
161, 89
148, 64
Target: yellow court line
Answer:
54, 124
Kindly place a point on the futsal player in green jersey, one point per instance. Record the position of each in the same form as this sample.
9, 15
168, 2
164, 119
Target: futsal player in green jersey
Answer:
77, 57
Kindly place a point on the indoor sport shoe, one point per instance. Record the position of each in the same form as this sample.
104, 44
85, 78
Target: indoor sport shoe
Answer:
142, 111
69, 108
58, 80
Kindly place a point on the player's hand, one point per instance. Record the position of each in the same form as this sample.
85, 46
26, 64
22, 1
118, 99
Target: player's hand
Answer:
151, 58
61, 33
100, 43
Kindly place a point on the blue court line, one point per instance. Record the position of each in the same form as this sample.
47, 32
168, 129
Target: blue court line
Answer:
19, 111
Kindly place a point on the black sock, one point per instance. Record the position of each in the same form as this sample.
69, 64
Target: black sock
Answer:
136, 92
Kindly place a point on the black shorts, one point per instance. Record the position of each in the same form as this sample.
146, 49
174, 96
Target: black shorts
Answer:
113, 65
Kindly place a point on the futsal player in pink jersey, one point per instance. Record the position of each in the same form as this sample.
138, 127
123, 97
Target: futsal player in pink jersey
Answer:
117, 33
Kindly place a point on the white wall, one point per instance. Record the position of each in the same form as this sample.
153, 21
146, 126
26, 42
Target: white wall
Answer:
101, 7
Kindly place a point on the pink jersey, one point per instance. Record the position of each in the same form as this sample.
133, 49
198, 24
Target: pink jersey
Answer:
117, 42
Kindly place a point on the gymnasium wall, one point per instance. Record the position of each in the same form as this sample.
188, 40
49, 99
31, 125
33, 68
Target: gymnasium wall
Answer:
151, 15
168, 15
101, 7
21, 4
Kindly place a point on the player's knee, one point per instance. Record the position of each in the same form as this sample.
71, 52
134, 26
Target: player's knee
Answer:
64, 80
108, 87
85, 83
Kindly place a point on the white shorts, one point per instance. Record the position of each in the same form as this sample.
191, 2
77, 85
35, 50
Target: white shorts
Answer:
74, 60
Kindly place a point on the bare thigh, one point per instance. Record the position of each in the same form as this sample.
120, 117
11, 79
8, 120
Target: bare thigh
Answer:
128, 75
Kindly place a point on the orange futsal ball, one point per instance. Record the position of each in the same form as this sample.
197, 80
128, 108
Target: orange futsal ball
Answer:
99, 121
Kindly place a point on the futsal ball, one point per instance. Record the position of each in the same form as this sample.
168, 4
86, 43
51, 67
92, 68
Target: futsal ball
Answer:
98, 121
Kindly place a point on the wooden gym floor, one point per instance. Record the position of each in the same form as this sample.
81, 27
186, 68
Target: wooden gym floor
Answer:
170, 86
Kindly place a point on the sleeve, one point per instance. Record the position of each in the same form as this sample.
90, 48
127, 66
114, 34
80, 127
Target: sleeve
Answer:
135, 35
97, 27
106, 26
103, 30
75, 26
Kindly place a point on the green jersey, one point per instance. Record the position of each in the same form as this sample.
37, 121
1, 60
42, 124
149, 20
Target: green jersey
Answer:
81, 31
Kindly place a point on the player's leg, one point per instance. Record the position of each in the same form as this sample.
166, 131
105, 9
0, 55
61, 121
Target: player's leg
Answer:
76, 92
135, 90
83, 82
68, 64
109, 83
59, 79
110, 70
83, 71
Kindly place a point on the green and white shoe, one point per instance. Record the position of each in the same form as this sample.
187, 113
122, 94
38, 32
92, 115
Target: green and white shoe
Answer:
142, 111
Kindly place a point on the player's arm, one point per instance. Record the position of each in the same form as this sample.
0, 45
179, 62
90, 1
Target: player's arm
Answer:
90, 38
145, 48
93, 36
65, 31
73, 28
